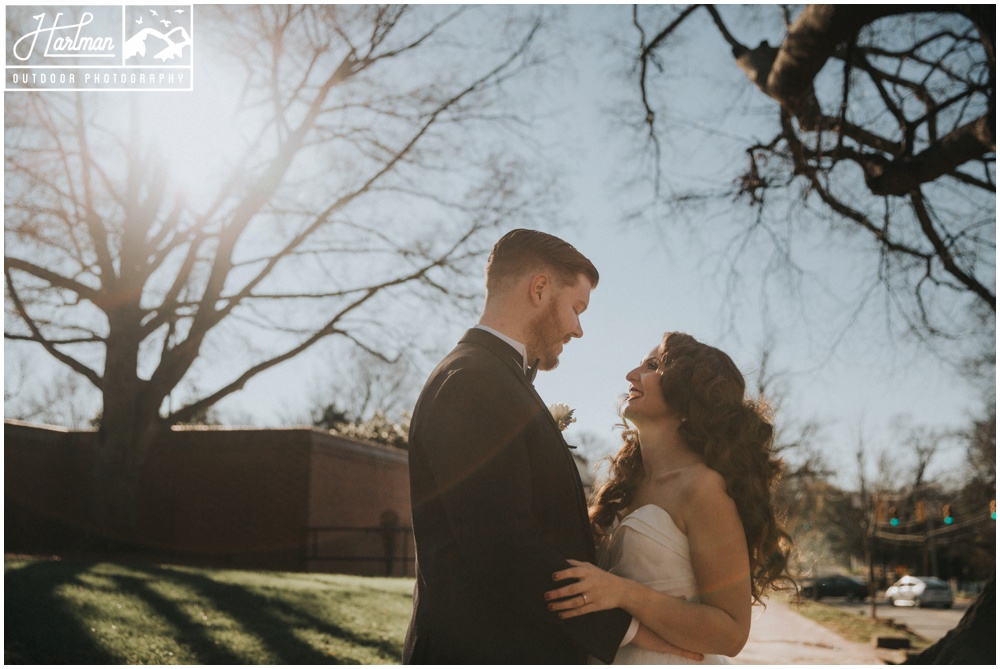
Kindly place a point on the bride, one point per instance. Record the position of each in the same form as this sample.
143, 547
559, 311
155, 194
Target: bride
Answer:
686, 528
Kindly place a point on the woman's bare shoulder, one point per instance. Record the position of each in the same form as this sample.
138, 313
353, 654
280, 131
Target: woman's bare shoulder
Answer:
694, 495
702, 479
688, 493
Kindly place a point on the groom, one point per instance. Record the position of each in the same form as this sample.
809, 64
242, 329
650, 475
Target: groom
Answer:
497, 500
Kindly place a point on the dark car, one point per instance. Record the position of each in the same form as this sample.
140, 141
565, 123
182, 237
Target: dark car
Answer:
834, 586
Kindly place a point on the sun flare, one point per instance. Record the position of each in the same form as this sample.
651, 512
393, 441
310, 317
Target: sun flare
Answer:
198, 135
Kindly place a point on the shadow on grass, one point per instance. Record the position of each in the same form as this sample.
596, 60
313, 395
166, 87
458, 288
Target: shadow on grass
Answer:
39, 626
273, 621
43, 628
186, 632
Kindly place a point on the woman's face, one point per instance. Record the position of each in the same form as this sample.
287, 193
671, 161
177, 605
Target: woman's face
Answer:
645, 398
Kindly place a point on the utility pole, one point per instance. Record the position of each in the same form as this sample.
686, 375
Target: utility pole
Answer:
869, 519
925, 450
931, 553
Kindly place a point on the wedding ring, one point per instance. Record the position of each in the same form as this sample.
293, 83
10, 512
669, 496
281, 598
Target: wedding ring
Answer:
585, 602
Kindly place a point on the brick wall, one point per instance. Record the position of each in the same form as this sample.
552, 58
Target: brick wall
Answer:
231, 497
45, 488
366, 487
241, 498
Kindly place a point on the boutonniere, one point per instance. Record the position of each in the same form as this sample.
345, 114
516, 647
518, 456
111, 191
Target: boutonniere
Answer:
562, 414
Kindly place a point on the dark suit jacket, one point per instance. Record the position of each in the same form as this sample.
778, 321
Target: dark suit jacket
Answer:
498, 506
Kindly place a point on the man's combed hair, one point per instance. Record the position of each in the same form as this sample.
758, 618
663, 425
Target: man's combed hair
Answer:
522, 251
734, 436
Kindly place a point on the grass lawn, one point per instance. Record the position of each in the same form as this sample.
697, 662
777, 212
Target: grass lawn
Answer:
849, 624
101, 613
63, 612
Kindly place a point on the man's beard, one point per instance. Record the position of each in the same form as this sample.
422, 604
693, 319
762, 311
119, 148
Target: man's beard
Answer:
544, 338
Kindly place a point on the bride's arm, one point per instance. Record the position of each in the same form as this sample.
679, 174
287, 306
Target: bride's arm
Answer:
647, 639
719, 623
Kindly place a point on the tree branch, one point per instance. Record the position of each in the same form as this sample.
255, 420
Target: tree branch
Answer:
54, 279
175, 362
900, 176
98, 233
37, 336
943, 253
330, 328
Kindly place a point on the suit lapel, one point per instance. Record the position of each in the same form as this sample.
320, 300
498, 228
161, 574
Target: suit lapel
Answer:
513, 360
501, 349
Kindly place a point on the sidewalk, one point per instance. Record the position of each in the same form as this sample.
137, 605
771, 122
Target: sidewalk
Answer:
779, 635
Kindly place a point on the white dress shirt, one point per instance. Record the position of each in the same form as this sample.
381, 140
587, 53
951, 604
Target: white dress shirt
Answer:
518, 346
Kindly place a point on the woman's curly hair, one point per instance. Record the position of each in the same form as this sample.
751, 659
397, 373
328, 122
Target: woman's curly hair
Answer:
733, 435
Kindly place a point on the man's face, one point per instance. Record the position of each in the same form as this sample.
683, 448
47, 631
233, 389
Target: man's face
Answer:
558, 322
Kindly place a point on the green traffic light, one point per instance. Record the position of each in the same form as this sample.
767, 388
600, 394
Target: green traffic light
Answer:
949, 520
894, 522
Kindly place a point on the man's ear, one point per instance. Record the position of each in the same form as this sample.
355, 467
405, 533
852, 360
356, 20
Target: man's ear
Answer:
537, 288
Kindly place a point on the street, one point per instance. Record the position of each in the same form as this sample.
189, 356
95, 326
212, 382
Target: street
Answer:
932, 624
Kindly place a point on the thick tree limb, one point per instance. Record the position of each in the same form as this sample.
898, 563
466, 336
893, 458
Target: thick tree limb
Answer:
330, 328
904, 174
49, 346
54, 279
810, 42
787, 73
178, 359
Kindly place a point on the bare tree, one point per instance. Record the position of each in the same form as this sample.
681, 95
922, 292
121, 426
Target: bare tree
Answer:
593, 445
804, 495
360, 384
795, 442
62, 401
370, 399
366, 174
883, 128
924, 444
981, 449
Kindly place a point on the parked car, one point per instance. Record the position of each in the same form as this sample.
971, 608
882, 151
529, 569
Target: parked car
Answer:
919, 591
834, 586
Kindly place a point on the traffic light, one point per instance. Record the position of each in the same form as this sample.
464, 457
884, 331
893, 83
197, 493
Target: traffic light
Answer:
893, 516
993, 509
946, 512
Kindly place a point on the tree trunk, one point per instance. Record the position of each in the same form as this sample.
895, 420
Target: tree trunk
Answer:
120, 452
130, 426
973, 641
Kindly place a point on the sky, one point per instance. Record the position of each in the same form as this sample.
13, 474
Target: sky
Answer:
656, 276
665, 279
662, 274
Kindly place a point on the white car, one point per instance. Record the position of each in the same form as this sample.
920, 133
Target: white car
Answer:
919, 591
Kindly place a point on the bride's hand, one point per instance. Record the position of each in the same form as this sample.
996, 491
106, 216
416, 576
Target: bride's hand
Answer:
595, 590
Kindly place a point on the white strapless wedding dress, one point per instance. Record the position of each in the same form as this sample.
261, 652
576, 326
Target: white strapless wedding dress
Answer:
648, 547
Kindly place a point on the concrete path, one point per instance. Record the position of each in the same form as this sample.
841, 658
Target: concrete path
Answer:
779, 635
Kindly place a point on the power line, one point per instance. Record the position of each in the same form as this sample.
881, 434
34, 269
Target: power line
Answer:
977, 519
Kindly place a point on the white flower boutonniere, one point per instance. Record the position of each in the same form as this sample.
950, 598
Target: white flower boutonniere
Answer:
562, 414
